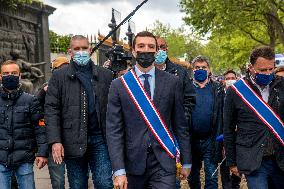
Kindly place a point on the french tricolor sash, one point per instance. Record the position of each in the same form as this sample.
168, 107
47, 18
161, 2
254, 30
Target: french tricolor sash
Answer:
150, 114
261, 109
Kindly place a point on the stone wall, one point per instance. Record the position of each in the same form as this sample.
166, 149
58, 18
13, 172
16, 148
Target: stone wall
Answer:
24, 30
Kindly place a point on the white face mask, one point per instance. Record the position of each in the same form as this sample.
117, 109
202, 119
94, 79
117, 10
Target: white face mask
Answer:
230, 82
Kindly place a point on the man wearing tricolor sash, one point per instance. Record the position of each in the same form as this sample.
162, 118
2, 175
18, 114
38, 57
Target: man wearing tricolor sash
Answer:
147, 132
253, 123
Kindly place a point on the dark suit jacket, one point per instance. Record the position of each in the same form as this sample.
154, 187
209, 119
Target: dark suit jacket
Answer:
245, 147
187, 86
126, 130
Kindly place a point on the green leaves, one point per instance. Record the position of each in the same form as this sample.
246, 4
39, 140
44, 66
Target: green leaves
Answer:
16, 3
235, 27
179, 42
59, 43
226, 16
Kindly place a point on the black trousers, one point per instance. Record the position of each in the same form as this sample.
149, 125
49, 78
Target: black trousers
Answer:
155, 176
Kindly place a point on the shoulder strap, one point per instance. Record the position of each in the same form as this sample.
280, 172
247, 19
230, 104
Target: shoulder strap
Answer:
264, 112
150, 114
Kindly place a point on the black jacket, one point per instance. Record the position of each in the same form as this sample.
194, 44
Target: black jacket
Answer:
41, 93
187, 87
20, 135
244, 147
127, 132
66, 109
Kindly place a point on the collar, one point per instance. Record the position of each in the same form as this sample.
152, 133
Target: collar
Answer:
196, 83
13, 95
139, 73
170, 66
72, 69
261, 89
164, 67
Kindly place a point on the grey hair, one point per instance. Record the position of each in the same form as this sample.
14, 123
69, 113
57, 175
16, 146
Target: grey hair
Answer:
200, 58
78, 37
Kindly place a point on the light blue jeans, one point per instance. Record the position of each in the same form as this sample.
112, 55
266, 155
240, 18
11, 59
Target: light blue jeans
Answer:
24, 174
97, 160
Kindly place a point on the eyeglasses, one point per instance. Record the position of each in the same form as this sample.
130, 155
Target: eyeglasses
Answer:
163, 46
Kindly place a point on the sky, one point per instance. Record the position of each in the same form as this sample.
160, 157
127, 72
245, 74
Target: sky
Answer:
90, 16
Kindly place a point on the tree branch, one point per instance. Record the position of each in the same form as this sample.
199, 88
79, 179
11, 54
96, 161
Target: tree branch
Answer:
251, 36
260, 21
278, 6
276, 19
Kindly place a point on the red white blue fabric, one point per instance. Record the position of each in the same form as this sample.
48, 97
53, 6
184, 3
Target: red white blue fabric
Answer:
150, 114
265, 113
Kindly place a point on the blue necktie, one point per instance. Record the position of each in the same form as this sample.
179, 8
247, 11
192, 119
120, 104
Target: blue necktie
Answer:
147, 84
148, 91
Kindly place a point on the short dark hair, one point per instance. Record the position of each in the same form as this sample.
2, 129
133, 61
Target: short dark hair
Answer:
230, 71
144, 34
264, 52
8, 62
78, 37
200, 58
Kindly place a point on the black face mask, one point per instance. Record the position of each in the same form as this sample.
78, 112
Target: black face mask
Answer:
10, 82
145, 59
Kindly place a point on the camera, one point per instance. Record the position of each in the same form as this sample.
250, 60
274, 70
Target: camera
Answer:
118, 58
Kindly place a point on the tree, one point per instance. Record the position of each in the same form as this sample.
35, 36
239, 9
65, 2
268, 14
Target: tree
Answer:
16, 3
231, 51
228, 51
179, 42
261, 21
59, 43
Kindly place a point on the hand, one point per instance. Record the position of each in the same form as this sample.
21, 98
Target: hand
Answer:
235, 171
120, 182
184, 173
57, 153
45, 88
41, 162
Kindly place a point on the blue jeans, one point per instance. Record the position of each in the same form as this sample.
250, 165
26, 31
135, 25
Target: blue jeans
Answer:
268, 175
57, 173
97, 158
202, 150
24, 174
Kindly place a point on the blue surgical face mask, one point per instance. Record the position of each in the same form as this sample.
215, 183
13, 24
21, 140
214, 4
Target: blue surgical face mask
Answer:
263, 79
161, 57
200, 75
81, 57
10, 82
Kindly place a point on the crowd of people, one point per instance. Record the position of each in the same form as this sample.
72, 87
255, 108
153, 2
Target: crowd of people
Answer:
151, 127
